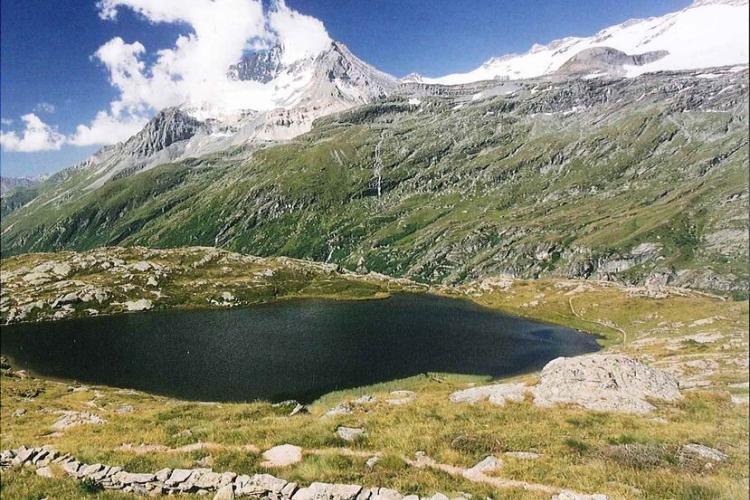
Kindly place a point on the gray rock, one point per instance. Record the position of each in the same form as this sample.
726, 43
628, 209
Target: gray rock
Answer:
496, 394
704, 452
572, 495
604, 382
45, 472
74, 418
489, 464
138, 305
326, 491
350, 433
386, 494
163, 474
401, 397
178, 476
225, 493
282, 456
125, 409
340, 409
137, 478
523, 455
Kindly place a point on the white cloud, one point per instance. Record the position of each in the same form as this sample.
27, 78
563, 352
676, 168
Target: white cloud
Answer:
194, 71
6, 121
106, 129
36, 136
45, 107
300, 35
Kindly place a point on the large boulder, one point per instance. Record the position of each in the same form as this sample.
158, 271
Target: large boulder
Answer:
604, 382
282, 455
496, 394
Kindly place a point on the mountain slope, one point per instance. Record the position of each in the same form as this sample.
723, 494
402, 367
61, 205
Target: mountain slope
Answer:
708, 33
639, 180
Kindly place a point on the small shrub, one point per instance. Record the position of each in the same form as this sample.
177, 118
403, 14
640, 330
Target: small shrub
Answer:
477, 444
640, 456
89, 487
577, 446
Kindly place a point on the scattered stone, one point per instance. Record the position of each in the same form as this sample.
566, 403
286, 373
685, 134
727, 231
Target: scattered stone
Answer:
20, 412
340, 409
125, 409
178, 476
45, 472
319, 491
138, 305
401, 397
497, 394
704, 452
73, 418
298, 410
523, 455
741, 400
372, 461
489, 464
282, 456
350, 433
604, 382
385, 494
572, 495
364, 400
225, 493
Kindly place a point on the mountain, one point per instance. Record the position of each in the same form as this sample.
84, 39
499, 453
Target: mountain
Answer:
708, 33
9, 183
639, 180
307, 89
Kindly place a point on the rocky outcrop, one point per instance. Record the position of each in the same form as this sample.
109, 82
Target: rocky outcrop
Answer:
606, 61
200, 481
601, 382
604, 382
496, 394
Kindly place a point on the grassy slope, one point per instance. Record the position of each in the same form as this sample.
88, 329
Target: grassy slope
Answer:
573, 442
467, 192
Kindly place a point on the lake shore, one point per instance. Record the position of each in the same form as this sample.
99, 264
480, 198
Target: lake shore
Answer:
700, 340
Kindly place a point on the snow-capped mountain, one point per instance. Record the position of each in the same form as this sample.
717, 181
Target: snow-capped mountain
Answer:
708, 33
307, 89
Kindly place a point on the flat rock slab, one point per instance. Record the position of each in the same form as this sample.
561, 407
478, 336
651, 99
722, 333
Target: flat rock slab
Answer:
496, 394
282, 456
319, 491
604, 382
704, 452
401, 397
73, 418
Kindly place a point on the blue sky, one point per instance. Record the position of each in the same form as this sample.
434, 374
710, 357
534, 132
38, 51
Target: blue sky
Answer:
47, 48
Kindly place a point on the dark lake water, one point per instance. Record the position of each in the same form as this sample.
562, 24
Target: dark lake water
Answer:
288, 350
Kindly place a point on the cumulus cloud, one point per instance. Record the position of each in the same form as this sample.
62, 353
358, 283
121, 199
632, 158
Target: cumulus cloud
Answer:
106, 129
192, 73
45, 107
6, 121
299, 35
36, 136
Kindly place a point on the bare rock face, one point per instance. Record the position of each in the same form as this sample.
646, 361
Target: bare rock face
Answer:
604, 382
496, 394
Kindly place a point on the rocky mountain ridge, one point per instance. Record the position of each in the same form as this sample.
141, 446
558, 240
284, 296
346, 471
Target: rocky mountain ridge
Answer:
633, 179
